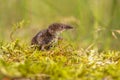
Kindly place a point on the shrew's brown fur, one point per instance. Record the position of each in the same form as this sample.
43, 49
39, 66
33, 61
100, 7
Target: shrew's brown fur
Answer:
45, 38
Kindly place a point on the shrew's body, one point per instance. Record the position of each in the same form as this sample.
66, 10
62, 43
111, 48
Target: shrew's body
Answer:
45, 38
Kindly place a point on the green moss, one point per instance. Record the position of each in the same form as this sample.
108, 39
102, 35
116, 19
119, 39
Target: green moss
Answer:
63, 62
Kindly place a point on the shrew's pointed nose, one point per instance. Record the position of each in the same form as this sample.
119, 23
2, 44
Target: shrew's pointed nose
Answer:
68, 27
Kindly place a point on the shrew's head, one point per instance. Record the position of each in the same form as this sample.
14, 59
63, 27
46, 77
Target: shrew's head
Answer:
57, 28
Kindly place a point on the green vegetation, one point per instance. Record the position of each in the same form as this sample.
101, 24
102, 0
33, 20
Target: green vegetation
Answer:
89, 52
63, 62
19, 60
94, 21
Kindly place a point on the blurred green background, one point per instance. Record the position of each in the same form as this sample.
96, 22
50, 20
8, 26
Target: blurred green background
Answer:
95, 21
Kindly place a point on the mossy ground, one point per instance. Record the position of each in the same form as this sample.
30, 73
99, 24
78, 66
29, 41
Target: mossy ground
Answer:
63, 62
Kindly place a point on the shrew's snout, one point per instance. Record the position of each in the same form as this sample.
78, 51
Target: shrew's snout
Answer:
68, 27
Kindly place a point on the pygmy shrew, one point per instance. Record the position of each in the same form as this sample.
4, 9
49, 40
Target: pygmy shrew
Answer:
45, 38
